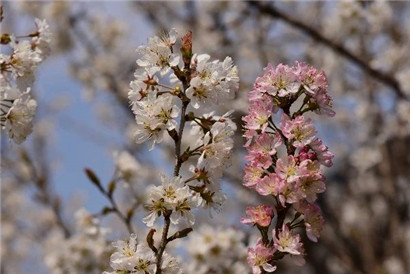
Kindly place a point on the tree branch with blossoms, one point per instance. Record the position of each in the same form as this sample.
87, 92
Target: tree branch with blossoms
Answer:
284, 161
162, 92
17, 108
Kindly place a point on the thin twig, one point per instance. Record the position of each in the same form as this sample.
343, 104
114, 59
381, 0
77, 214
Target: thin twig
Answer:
126, 220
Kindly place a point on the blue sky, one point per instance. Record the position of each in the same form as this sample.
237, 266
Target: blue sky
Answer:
71, 150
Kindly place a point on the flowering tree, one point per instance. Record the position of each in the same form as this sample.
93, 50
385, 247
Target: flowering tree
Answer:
179, 147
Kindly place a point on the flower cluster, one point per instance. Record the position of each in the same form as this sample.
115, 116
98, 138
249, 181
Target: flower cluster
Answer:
285, 159
155, 116
133, 257
171, 91
172, 197
17, 75
212, 82
199, 84
216, 250
214, 146
86, 251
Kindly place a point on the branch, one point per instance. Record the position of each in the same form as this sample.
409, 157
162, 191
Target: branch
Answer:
383, 77
126, 219
178, 163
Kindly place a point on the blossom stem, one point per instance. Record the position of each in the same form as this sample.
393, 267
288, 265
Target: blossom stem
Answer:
126, 220
189, 180
108, 194
178, 164
164, 242
281, 217
306, 110
298, 224
299, 111
165, 86
264, 234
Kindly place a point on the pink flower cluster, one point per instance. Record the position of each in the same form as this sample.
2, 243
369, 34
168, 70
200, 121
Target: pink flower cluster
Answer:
284, 160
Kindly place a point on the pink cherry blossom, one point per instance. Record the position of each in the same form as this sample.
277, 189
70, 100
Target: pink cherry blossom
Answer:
300, 131
257, 158
287, 169
287, 241
309, 168
259, 257
280, 81
258, 117
285, 162
261, 151
260, 215
270, 185
253, 174
313, 219
324, 103
289, 194
309, 187
322, 152
311, 78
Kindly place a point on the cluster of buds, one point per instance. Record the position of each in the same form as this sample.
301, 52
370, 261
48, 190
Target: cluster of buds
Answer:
17, 76
171, 91
284, 160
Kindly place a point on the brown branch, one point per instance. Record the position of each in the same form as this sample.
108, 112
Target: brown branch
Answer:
108, 193
125, 219
164, 242
383, 77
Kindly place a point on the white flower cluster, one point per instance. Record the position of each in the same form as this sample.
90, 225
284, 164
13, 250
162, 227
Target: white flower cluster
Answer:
84, 252
215, 148
198, 84
17, 75
133, 257
154, 116
172, 196
158, 54
154, 104
216, 144
217, 250
213, 82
